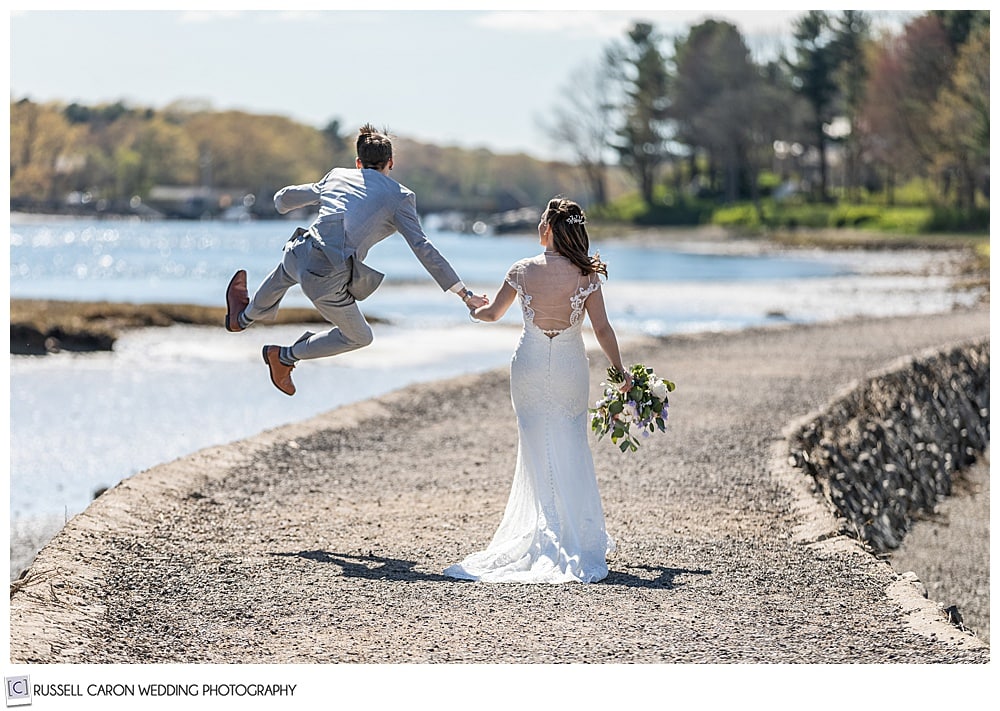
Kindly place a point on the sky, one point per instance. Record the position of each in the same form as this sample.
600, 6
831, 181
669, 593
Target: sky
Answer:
471, 78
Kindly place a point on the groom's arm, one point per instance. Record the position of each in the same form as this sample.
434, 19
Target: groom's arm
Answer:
436, 265
295, 196
292, 197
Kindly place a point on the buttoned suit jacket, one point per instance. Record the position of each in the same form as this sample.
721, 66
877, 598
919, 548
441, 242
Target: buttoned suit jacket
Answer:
358, 208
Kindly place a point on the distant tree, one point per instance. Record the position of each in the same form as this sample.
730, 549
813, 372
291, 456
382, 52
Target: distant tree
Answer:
960, 24
112, 112
908, 72
255, 152
168, 155
961, 118
42, 144
852, 33
773, 113
339, 149
582, 121
641, 140
813, 70
77, 113
714, 94
115, 152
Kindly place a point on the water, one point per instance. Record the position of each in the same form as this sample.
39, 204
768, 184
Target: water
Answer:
84, 421
185, 263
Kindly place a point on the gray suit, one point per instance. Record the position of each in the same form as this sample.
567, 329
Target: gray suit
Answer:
357, 209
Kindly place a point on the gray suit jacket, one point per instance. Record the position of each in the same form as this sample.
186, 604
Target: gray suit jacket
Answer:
358, 209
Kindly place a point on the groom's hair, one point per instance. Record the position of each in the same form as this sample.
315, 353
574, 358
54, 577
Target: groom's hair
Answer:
374, 147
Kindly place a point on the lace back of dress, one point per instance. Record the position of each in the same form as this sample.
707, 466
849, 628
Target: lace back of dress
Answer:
552, 291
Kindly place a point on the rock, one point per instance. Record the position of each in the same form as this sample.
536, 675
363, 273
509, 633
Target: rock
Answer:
887, 450
912, 578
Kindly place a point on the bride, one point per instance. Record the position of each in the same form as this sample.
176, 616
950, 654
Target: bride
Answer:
552, 529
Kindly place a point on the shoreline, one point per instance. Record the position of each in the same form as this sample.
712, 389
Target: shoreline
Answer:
429, 518
40, 326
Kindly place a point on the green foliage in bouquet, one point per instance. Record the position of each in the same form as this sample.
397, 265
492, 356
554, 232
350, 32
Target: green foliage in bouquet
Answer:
643, 406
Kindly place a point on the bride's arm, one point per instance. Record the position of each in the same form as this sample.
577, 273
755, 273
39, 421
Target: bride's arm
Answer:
496, 310
605, 334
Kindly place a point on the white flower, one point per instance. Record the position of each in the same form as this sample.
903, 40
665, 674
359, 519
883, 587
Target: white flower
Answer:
658, 388
631, 412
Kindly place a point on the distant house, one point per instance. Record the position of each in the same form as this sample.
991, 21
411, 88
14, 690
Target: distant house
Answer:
195, 203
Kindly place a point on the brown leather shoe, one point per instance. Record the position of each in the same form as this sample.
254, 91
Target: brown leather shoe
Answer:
281, 374
237, 299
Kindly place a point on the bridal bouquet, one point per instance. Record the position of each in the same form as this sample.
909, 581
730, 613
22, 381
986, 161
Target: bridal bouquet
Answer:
643, 406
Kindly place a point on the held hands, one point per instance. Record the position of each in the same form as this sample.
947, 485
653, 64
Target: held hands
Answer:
474, 302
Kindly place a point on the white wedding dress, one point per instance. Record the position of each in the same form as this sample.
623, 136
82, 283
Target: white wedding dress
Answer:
552, 529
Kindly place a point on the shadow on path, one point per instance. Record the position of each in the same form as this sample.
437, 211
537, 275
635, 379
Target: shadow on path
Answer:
664, 579
372, 567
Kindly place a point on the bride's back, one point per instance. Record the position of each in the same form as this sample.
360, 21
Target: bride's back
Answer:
553, 290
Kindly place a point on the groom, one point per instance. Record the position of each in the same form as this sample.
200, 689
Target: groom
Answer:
358, 208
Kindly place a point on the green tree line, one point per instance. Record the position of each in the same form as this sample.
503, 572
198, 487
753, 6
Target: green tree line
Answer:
843, 114
693, 126
117, 154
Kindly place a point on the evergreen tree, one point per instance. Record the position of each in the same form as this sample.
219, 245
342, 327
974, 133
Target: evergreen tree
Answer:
813, 76
714, 94
851, 33
642, 136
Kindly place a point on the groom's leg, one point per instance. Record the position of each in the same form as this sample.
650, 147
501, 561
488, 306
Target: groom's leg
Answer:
264, 303
350, 333
325, 284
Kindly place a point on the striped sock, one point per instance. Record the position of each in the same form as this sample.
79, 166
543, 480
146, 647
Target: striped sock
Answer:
286, 357
243, 320
285, 354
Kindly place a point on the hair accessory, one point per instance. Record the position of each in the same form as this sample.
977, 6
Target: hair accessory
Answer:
576, 220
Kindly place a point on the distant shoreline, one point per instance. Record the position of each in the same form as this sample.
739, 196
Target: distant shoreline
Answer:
40, 326
827, 238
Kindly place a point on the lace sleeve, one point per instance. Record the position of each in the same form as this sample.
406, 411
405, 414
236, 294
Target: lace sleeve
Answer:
515, 277
592, 284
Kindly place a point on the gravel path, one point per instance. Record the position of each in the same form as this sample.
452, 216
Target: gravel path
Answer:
324, 541
949, 552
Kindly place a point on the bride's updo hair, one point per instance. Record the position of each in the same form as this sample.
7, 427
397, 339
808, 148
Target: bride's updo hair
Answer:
569, 235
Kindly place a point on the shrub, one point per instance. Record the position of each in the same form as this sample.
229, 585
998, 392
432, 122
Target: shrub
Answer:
915, 192
681, 214
803, 216
908, 220
950, 219
736, 216
854, 215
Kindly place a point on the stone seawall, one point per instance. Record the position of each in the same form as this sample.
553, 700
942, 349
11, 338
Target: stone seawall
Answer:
887, 449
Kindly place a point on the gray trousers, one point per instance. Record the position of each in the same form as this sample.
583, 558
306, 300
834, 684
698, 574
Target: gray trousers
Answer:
325, 284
